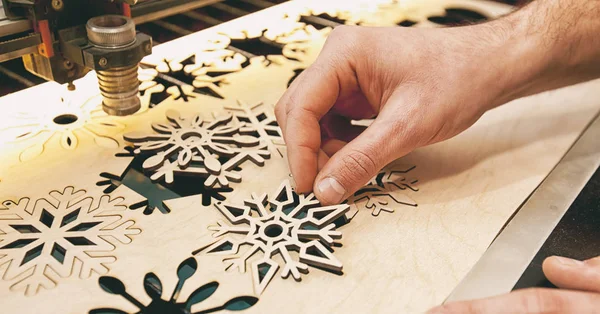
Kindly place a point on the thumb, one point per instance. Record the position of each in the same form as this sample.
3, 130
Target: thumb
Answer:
572, 274
547, 301
355, 164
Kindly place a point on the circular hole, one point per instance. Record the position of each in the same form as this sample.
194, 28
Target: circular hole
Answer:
273, 231
109, 21
65, 119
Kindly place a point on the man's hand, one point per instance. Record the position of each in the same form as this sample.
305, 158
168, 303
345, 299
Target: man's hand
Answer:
581, 278
423, 86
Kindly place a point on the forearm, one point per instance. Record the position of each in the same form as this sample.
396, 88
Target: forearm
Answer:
546, 45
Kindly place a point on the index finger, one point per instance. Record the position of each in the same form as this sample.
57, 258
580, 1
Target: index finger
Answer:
314, 92
526, 301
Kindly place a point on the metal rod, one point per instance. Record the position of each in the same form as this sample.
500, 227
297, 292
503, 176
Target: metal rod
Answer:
149, 12
504, 262
320, 21
202, 18
244, 53
172, 27
230, 9
163, 76
259, 3
16, 77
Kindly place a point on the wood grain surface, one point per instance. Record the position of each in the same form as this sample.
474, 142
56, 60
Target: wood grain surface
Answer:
400, 245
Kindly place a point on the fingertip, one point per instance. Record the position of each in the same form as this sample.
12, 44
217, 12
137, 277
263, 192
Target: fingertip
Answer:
302, 183
329, 191
447, 309
559, 263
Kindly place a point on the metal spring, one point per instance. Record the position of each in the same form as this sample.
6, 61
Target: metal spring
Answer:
119, 88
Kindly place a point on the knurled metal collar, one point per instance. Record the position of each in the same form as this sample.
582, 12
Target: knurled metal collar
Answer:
111, 31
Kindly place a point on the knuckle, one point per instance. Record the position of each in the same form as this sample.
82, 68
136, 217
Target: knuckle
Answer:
454, 308
292, 105
539, 300
343, 32
343, 41
294, 111
279, 111
356, 167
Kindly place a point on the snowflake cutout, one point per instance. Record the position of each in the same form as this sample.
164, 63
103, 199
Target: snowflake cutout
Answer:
196, 147
278, 225
66, 121
259, 122
256, 46
153, 287
155, 194
387, 188
323, 20
304, 44
65, 234
180, 79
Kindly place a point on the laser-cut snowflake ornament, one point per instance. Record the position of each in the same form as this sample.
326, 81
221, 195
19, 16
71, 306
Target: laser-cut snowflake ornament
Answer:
193, 146
66, 121
154, 289
68, 233
258, 120
385, 191
278, 225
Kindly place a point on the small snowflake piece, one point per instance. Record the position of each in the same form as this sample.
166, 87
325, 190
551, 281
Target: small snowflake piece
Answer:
388, 187
277, 226
66, 234
258, 121
197, 147
66, 121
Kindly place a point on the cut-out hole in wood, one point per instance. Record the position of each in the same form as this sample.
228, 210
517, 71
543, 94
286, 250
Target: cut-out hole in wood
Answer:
43, 238
285, 223
407, 23
176, 76
65, 119
458, 17
154, 289
386, 191
209, 149
322, 20
256, 46
157, 193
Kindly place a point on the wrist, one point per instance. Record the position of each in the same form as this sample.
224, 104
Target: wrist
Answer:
544, 46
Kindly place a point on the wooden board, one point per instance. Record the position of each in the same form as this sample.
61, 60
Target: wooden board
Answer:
145, 213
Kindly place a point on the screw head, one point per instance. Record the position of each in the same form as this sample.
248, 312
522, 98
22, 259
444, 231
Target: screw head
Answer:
57, 5
68, 65
103, 62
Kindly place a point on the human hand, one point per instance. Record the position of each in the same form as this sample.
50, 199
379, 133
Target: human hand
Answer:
582, 279
422, 85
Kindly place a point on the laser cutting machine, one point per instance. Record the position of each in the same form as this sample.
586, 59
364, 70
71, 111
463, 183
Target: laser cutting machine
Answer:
62, 40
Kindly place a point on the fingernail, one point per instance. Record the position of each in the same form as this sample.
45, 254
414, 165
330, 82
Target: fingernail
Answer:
331, 191
567, 262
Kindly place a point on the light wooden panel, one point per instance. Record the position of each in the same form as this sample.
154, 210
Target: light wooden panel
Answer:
400, 245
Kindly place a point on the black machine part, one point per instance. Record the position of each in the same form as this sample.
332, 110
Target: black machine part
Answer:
66, 53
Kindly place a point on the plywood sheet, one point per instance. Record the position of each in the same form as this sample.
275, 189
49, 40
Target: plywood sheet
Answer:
156, 206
